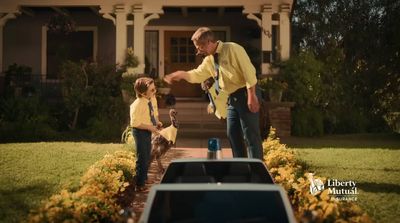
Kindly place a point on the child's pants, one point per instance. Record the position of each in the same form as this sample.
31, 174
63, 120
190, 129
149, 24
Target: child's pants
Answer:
143, 150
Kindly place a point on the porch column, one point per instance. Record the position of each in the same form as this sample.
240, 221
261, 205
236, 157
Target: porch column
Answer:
138, 35
121, 34
284, 31
139, 22
266, 38
3, 21
265, 24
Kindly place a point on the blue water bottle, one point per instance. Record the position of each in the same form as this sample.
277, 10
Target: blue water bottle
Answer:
214, 149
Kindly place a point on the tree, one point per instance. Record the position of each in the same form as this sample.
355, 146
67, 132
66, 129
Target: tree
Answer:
358, 43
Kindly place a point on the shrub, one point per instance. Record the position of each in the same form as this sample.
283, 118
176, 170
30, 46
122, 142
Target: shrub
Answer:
25, 119
99, 197
308, 122
290, 174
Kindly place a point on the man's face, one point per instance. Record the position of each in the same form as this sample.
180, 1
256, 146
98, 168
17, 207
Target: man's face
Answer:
203, 47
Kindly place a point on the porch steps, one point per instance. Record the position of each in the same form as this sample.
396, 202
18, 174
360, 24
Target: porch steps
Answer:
194, 122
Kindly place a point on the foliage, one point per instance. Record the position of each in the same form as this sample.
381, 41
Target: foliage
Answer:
129, 72
96, 199
75, 87
15, 70
307, 122
17, 76
127, 136
365, 73
93, 89
131, 59
289, 173
61, 24
273, 83
25, 119
160, 83
303, 75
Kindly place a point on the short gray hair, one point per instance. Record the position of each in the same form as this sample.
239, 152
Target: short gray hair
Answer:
203, 34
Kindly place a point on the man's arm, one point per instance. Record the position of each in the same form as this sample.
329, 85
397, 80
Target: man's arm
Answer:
252, 100
176, 76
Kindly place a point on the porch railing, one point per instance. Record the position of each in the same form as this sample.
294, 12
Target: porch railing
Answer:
30, 84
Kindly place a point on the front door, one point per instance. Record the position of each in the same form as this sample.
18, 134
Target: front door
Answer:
180, 54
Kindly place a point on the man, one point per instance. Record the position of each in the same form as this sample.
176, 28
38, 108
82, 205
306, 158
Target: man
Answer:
231, 68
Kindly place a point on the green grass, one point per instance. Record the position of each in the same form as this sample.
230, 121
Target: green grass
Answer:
373, 161
32, 172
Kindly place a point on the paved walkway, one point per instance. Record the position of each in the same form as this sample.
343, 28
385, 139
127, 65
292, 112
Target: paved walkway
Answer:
186, 148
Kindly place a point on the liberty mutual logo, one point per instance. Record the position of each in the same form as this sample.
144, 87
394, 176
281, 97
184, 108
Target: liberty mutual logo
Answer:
316, 185
338, 190
342, 190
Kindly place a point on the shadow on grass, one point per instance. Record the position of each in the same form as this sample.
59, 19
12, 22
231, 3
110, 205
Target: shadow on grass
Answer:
379, 187
17, 202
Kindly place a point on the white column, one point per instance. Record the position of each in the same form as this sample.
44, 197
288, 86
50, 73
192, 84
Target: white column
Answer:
284, 31
138, 35
120, 34
139, 22
266, 38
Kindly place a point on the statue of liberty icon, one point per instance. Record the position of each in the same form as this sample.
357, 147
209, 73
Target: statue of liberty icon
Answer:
316, 185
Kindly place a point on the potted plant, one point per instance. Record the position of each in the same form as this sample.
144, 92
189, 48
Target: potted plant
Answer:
274, 86
129, 74
162, 87
61, 24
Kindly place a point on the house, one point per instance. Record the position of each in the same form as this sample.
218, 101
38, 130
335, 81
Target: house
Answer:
158, 30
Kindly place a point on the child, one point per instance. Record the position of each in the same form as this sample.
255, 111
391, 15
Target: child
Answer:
144, 121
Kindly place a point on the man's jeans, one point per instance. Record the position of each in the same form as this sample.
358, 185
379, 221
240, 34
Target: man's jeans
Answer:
243, 126
143, 151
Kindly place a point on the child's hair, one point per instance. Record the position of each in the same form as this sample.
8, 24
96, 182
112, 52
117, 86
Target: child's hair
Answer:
141, 85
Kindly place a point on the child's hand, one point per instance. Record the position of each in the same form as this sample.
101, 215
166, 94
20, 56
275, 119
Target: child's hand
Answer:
153, 129
159, 125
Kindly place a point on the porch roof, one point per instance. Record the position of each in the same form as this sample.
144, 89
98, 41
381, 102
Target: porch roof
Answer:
149, 6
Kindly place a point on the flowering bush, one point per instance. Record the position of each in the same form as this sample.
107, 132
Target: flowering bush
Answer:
97, 199
290, 174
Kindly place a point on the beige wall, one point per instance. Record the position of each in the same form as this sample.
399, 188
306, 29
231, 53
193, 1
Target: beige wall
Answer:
23, 39
22, 36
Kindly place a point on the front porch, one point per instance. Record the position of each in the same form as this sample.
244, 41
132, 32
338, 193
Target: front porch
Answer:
158, 31
261, 26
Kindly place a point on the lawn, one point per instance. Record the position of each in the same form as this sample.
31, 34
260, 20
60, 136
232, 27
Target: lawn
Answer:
373, 161
31, 172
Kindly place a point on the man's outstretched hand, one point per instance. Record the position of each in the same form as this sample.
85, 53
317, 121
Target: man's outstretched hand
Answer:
168, 78
176, 76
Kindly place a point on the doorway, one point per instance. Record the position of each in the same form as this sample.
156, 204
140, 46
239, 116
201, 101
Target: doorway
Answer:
180, 54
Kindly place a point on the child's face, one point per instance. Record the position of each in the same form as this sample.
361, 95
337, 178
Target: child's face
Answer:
151, 91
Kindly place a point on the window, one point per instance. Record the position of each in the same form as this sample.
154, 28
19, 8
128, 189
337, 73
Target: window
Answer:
182, 50
75, 46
